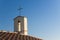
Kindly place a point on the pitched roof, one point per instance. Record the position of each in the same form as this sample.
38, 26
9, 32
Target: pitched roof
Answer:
16, 36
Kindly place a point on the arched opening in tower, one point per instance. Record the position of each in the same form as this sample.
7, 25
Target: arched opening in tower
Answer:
19, 26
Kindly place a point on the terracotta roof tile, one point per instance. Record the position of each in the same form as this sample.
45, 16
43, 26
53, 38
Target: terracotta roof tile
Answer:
16, 36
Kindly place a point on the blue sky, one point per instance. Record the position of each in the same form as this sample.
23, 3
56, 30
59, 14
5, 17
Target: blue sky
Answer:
43, 17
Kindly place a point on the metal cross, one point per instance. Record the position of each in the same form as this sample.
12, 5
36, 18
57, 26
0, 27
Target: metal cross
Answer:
20, 11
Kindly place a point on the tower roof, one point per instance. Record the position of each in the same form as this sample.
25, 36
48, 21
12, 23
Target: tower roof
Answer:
19, 16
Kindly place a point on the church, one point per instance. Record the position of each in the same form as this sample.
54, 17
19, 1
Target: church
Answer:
20, 31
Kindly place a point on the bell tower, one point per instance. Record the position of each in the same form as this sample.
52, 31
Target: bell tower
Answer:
20, 25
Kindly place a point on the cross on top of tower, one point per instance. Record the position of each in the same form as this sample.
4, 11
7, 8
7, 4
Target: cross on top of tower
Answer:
20, 10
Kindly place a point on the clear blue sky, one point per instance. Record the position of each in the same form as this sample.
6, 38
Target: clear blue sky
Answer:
43, 17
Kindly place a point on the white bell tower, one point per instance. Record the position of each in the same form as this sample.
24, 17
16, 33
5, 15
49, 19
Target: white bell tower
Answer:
20, 25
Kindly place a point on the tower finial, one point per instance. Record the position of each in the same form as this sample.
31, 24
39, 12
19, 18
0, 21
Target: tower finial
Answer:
20, 8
